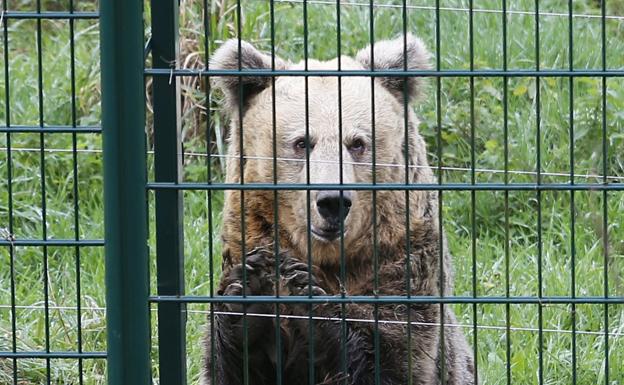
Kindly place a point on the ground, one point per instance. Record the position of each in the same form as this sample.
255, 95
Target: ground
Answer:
487, 225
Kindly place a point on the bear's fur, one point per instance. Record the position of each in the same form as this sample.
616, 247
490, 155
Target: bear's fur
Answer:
338, 118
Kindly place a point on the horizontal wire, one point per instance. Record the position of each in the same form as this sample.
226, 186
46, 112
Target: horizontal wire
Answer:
59, 355
95, 15
48, 15
388, 299
53, 150
402, 166
254, 157
395, 186
52, 129
481, 73
7, 239
397, 322
319, 318
454, 9
55, 307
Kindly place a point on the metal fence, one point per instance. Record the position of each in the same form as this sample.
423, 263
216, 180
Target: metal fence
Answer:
171, 299
146, 189
47, 335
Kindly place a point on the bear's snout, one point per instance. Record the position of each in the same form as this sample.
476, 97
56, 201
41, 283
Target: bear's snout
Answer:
333, 206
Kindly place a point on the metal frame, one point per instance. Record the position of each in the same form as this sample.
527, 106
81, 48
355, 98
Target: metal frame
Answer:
169, 204
123, 122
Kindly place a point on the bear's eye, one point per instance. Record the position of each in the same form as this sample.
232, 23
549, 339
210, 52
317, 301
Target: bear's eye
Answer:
357, 147
301, 144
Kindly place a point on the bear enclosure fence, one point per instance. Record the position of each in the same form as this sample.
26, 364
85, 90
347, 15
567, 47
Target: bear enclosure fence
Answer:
139, 280
45, 315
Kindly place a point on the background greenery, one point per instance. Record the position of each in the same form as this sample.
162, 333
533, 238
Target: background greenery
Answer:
489, 222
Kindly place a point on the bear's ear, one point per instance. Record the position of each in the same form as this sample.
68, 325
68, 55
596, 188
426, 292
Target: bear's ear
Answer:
404, 52
241, 89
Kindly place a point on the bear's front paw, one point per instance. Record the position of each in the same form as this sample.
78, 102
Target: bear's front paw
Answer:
255, 277
297, 279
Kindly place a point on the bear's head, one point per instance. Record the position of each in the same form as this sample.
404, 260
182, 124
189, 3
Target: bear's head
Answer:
324, 130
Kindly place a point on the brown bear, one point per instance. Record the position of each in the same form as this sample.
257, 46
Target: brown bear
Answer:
325, 131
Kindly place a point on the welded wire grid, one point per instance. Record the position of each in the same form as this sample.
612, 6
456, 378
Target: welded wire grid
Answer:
43, 243
505, 181
465, 181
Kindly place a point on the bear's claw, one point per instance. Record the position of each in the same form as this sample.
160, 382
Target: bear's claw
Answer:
298, 279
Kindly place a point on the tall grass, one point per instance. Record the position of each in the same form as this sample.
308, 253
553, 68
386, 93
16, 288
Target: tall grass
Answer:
487, 226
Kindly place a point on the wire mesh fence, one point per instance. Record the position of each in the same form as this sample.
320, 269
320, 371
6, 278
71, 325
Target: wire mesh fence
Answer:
50, 246
522, 118
508, 124
494, 138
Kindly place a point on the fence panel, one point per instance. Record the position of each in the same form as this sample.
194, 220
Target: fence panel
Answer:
512, 174
51, 315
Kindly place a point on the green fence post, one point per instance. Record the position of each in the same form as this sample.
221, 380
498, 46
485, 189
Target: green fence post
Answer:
123, 124
169, 203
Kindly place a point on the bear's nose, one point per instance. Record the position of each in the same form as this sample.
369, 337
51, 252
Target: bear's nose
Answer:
333, 205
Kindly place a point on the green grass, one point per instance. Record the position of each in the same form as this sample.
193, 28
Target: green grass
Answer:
489, 221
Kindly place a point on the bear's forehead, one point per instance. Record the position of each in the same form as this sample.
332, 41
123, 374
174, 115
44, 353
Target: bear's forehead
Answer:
325, 99
322, 100
353, 89
345, 63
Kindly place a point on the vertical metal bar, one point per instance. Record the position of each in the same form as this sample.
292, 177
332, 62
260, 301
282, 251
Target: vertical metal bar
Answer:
311, 353
408, 246
207, 36
371, 16
169, 203
7, 117
211, 272
276, 250
340, 134
241, 143
506, 192
72, 50
540, 371
572, 205
123, 123
441, 276
343, 330
209, 133
44, 215
605, 170
473, 194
